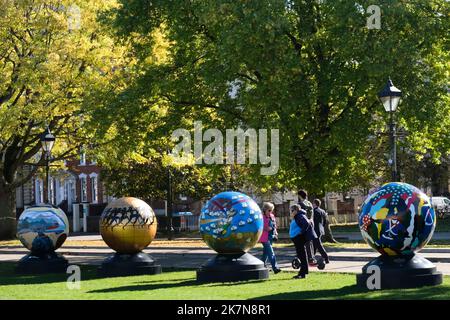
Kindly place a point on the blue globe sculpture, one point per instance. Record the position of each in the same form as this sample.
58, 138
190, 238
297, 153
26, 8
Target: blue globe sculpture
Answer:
42, 229
231, 223
397, 219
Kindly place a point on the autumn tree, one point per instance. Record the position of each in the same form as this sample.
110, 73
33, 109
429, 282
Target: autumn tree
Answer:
309, 68
53, 54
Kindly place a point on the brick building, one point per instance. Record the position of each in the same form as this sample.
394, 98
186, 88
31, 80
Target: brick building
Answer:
80, 183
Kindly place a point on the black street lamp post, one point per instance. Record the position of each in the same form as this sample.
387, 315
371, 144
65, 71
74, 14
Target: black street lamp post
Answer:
47, 141
390, 97
169, 204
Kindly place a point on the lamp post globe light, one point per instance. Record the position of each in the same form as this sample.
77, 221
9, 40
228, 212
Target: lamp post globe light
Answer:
169, 207
43, 228
47, 141
390, 97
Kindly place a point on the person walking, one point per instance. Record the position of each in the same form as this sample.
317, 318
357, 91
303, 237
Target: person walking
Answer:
308, 207
269, 230
320, 220
301, 232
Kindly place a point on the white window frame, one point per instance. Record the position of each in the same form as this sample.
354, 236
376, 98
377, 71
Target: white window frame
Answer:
82, 158
70, 191
94, 188
51, 190
38, 191
83, 188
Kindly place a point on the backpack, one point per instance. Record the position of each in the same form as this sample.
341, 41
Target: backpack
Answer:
273, 234
307, 206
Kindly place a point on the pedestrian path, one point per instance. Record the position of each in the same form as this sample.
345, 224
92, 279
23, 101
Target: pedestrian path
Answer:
348, 260
356, 236
350, 236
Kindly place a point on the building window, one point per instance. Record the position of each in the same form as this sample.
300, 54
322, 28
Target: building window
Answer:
38, 191
82, 158
70, 192
94, 189
83, 184
51, 191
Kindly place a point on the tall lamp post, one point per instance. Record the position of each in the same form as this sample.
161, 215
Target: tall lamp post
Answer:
390, 97
47, 141
169, 203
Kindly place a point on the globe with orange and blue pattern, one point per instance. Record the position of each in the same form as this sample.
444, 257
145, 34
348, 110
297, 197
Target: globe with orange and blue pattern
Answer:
397, 219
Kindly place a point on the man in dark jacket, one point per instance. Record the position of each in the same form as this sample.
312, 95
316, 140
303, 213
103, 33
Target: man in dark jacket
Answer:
301, 232
308, 207
305, 204
320, 219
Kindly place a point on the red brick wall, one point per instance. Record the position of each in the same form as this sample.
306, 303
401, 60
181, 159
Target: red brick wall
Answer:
75, 167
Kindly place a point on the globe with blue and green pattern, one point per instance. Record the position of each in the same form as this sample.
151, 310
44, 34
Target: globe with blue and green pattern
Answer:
231, 223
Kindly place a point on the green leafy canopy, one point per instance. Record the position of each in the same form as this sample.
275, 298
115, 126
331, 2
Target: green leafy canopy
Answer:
309, 68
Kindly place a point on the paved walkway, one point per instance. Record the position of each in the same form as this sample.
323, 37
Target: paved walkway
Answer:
356, 236
348, 260
351, 236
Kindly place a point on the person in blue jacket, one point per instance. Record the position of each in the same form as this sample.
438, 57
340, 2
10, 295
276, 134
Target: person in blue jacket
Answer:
301, 232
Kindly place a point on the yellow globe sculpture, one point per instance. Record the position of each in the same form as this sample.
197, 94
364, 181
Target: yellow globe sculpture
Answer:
128, 225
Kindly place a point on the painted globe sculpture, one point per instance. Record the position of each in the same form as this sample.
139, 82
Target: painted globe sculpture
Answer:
231, 223
42, 229
128, 225
397, 219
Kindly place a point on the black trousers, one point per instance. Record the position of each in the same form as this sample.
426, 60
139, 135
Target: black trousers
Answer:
300, 247
309, 250
317, 243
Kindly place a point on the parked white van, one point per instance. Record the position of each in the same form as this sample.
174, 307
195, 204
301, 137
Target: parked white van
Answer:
441, 205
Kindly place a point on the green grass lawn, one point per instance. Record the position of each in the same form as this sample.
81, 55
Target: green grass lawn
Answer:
181, 285
349, 227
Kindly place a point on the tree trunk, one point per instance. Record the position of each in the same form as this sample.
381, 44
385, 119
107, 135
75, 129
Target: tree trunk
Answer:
7, 214
328, 236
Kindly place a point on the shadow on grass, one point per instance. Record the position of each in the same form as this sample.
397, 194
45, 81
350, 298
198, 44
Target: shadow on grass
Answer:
88, 272
316, 294
231, 284
159, 280
354, 292
146, 286
9, 277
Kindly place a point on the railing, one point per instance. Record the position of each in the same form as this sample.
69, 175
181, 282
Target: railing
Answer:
283, 222
189, 223
342, 218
